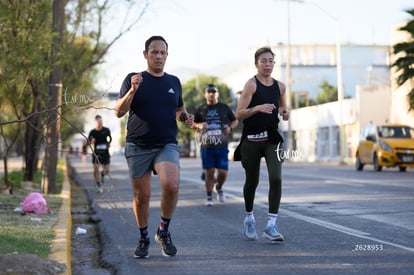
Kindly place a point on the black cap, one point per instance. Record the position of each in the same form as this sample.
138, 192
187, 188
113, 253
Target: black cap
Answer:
212, 88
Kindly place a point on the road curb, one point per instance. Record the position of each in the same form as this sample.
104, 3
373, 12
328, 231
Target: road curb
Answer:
61, 244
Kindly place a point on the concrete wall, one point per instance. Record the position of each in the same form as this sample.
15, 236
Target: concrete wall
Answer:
373, 104
317, 129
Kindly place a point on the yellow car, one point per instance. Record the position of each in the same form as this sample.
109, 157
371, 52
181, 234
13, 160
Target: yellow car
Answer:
387, 145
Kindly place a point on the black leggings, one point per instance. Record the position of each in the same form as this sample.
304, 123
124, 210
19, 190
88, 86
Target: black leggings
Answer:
251, 153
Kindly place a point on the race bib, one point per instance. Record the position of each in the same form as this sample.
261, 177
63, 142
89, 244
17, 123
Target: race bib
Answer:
214, 132
263, 136
101, 147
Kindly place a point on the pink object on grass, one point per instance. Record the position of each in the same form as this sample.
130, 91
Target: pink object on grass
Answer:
35, 203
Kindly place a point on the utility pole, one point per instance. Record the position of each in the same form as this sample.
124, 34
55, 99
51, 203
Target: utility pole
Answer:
340, 84
289, 80
289, 144
54, 99
342, 146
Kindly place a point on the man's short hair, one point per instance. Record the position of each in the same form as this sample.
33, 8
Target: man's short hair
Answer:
154, 38
98, 117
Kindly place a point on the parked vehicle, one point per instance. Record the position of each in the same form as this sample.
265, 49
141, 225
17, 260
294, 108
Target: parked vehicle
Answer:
388, 145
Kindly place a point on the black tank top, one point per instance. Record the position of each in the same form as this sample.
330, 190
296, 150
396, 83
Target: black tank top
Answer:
260, 122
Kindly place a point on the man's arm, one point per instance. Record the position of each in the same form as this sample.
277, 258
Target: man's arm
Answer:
199, 121
109, 136
123, 104
234, 124
182, 115
233, 121
91, 139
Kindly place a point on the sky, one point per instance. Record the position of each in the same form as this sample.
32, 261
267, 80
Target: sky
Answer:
217, 36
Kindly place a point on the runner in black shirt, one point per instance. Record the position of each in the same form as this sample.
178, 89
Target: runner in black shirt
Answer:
101, 138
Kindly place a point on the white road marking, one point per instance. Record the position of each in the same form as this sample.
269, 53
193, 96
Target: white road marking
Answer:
329, 225
343, 229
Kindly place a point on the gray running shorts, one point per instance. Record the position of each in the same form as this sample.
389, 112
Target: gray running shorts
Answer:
142, 160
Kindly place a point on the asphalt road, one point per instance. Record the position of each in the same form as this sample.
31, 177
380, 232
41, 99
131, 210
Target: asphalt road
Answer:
335, 221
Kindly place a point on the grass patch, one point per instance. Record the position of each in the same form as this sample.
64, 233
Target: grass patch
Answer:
16, 177
22, 232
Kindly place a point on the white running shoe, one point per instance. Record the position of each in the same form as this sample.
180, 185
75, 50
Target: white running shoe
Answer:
209, 202
272, 233
249, 230
220, 196
99, 187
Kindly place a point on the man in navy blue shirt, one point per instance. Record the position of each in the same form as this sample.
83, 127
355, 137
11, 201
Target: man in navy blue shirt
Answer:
154, 103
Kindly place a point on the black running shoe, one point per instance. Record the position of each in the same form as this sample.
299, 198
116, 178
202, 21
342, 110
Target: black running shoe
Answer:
163, 238
142, 249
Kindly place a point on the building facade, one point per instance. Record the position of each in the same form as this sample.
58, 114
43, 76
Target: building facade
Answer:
331, 132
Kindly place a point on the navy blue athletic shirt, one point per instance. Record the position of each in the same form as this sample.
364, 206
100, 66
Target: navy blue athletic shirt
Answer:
151, 119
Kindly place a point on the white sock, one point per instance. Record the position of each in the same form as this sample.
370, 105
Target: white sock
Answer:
249, 215
271, 219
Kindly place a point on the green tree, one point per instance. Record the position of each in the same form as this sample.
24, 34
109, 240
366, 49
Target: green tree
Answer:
327, 94
405, 62
25, 64
193, 96
9, 134
24, 49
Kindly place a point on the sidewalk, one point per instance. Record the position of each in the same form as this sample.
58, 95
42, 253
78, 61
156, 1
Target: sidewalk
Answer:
14, 163
61, 246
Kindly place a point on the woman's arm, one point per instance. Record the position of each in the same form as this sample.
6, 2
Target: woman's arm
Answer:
246, 97
283, 109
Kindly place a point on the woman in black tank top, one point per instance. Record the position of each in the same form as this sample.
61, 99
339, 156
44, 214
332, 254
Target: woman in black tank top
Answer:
262, 101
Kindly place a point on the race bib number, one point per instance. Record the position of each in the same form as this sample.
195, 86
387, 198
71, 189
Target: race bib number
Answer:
214, 132
101, 147
263, 136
